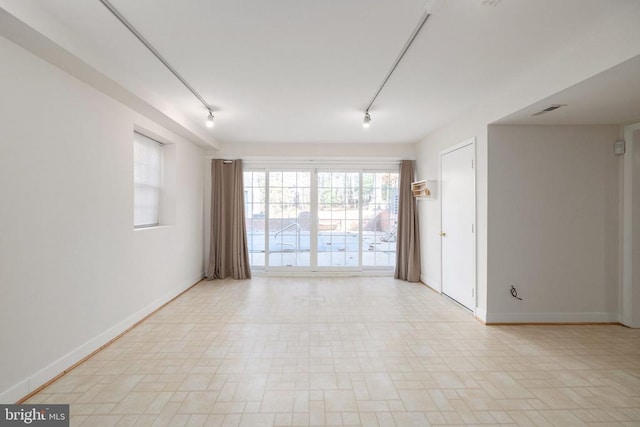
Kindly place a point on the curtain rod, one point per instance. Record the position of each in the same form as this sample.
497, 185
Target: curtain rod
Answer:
307, 161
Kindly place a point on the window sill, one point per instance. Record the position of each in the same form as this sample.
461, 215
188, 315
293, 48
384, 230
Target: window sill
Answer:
153, 227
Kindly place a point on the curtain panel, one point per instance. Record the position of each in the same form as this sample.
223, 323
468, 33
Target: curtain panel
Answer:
228, 251
408, 236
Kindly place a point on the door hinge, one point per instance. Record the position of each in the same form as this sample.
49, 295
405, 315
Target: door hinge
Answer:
473, 292
471, 164
472, 228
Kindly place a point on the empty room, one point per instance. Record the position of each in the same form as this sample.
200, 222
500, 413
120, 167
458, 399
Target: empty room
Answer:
327, 213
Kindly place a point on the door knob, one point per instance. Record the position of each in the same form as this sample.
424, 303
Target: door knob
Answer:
443, 234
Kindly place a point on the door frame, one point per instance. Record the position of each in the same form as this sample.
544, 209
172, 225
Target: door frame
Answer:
628, 311
465, 143
314, 168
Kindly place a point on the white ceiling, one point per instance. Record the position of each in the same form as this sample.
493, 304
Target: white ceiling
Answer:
611, 97
302, 71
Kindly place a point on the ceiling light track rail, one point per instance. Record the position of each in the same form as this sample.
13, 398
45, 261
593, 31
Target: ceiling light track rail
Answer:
406, 47
153, 50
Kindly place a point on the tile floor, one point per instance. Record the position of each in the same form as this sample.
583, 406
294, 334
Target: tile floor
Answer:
349, 351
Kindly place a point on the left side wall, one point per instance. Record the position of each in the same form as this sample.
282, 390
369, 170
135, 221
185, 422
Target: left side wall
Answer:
73, 271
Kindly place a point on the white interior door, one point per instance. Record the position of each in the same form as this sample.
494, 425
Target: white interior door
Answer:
458, 224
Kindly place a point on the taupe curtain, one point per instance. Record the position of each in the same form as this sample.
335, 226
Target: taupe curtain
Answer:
228, 251
408, 237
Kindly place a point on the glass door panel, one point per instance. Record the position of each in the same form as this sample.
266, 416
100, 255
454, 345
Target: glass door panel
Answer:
289, 219
380, 218
338, 219
255, 215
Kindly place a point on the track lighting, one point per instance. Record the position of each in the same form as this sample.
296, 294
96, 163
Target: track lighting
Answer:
164, 62
367, 120
416, 30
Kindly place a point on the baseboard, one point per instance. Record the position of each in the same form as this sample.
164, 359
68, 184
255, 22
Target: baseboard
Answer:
583, 317
14, 393
432, 283
62, 365
481, 314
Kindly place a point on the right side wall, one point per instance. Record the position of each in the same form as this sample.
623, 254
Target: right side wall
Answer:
553, 216
613, 40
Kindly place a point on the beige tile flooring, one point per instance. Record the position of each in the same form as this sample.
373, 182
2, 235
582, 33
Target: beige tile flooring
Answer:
349, 351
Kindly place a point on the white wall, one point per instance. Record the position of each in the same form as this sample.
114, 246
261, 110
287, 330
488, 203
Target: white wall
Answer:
469, 126
335, 152
73, 272
630, 241
613, 41
554, 208
634, 313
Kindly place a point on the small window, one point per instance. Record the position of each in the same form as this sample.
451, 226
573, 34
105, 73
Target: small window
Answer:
147, 181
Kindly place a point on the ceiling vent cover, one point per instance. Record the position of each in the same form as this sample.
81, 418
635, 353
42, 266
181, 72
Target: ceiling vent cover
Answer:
551, 108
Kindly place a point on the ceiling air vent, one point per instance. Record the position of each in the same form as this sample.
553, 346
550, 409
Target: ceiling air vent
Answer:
551, 108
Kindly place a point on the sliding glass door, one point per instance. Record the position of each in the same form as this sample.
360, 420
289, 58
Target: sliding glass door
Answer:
289, 219
339, 219
321, 219
380, 218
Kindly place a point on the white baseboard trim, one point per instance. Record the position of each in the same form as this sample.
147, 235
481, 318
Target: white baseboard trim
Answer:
481, 314
39, 378
14, 393
432, 283
584, 317
629, 323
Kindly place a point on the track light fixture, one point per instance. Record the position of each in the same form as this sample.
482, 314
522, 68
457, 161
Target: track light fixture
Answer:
416, 30
153, 50
367, 120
